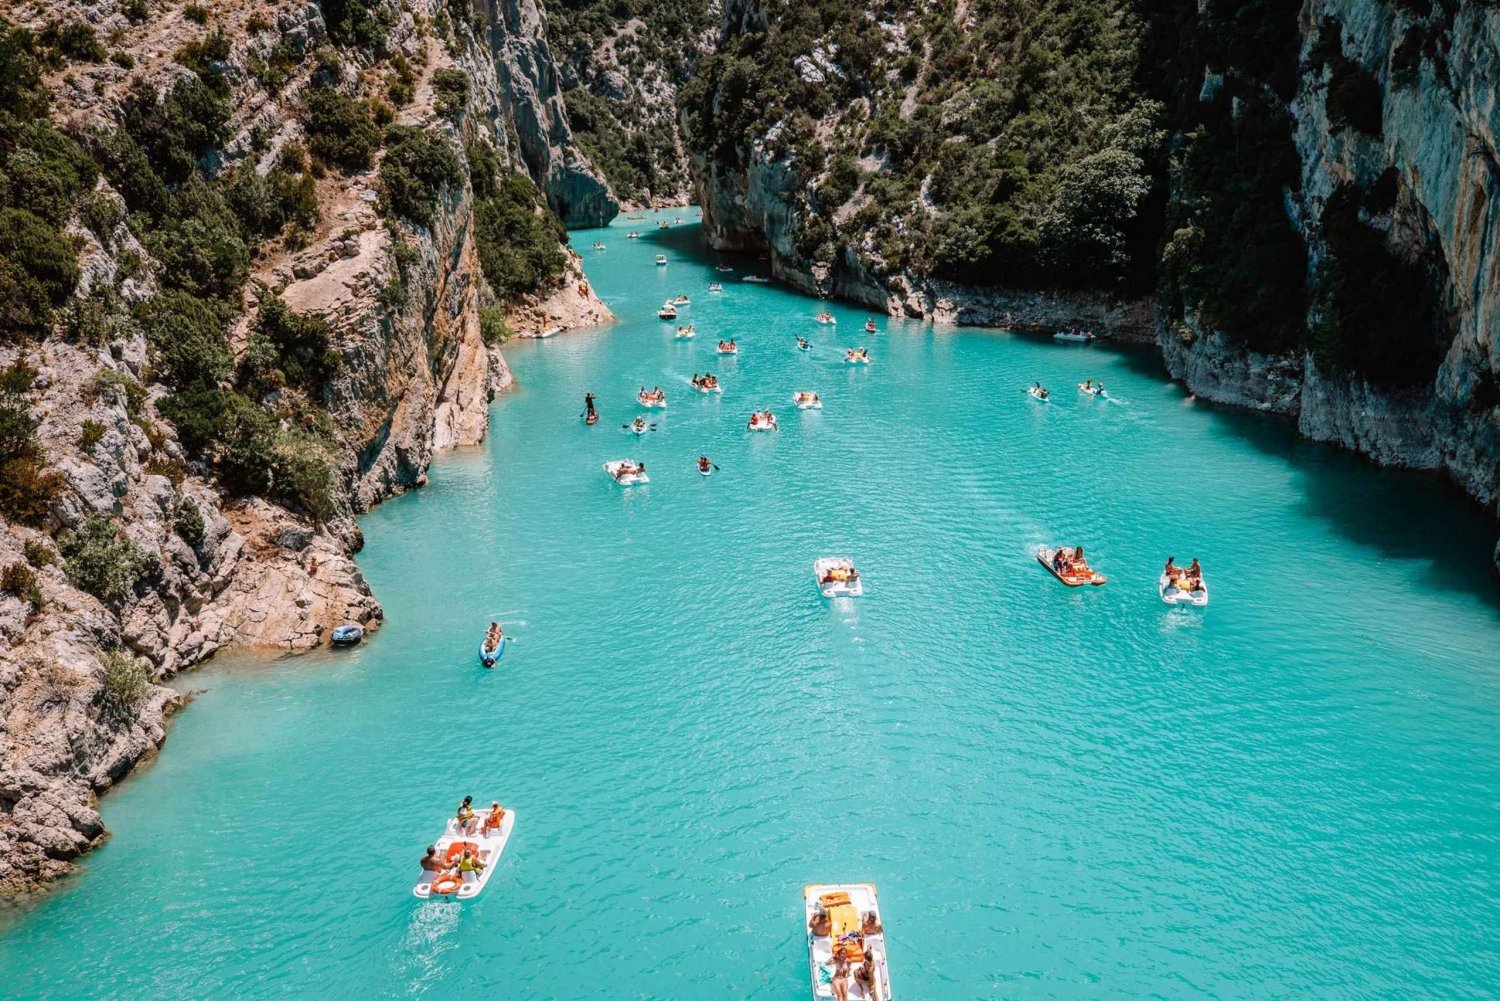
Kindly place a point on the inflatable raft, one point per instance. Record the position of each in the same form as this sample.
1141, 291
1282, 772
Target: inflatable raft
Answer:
1044, 557
1174, 595
487, 845
647, 400
846, 904
852, 587
489, 658
347, 635
613, 469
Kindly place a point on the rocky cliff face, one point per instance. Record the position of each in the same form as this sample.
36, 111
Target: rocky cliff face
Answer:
415, 377
533, 98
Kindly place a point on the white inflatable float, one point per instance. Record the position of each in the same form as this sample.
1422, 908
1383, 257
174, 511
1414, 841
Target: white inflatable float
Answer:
486, 844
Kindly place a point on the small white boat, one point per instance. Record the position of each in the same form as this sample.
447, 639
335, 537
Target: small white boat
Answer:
1172, 594
860, 357
486, 844
756, 280
548, 331
723, 269
837, 578
1090, 389
807, 401
803, 344
1077, 336
648, 400
628, 479
845, 904
826, 319
762, 421
667, 311
715, 287
638, 426
682, 300
1038, 393
1068, 575
633, 235
661, 260
870, 327
728, 349
705, 387
687, 333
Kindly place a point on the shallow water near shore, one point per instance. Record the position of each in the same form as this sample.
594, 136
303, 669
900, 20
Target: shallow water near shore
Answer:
1060, 793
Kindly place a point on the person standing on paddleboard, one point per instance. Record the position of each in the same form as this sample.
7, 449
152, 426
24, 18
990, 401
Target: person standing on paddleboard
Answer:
588, 407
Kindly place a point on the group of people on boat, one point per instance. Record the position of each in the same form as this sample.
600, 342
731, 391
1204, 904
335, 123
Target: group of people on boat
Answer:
492, 637
705, 382
1190, 579
728, 347
686, 331
630, 468
655, 398
632, 235
825, 318
857, 354
839, 575
1091, 387
851, 948
1039, 391
803, 396
762, 419
598, 245
1070, 562
467, 822
715, 287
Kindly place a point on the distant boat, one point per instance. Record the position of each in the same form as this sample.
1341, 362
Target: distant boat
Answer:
1079, 336
756, 280
661, 260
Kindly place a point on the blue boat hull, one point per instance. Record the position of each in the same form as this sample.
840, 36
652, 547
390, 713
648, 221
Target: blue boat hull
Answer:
491, 658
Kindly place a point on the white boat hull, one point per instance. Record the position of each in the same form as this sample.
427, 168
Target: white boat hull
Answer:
802, 404
837, 589
489, 845
652, 404
1174, 595
612, 469
863, 898
1036, 395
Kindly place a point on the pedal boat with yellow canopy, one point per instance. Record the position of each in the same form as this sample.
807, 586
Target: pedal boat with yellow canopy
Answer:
846, 903
486, 843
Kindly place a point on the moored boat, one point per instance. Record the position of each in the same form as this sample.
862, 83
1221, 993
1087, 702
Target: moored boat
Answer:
837, 578
347, 634
617, 471
485, 842
1071, 568
1077, 336
844, 920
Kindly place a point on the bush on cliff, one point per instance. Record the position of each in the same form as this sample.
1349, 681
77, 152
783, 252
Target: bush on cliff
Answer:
451, 90
287, 348
99, 559
418, 166
186, 335
340, 130
178, 129
362, 23
125, 680
518, 237
28, 489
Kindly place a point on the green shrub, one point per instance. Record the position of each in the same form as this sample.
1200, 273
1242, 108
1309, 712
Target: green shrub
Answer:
519, 241
451, 87
177, 130
17, 378
102, 214
199, 243
46, 254
73, 40
362, 23
186, 335
189, 523
197, 13
42, 170
90, 433
126, 682
38, 554
200, 56
28, 489
287, 348
21, 581
340, 130
21, 91
135, 11
265, 203
418, 165
400, 82
493, 326
25, 307
118, 386
257, 23
99, 559
1355, 98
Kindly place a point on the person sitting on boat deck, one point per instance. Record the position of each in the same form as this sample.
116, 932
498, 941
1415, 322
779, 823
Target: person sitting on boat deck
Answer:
639, 424
1171, 571
494, 818
870, 925
820, 924
1077, 563
1194, 569
469, 862
1057, 559
704, 464
430, 861
865, 976
466, 817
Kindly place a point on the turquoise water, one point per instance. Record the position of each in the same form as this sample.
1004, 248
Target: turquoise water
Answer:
1059, 793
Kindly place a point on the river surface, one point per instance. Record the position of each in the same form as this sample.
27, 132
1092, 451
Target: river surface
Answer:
1060, 793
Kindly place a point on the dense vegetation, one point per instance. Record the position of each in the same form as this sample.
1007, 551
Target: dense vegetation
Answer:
518, 237
1012, 149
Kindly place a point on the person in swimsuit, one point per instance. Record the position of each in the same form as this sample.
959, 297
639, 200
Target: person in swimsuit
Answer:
704, 465
821, 925
466, 815
870, 925
840, 977
588, 405
430, 861
470, 863
865, 975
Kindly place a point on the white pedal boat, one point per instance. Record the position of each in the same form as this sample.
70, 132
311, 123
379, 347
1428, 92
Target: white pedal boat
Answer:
661, 260
725, 349
613, 470
807, 401
488, 845
856, 358
1174, 595
1076, 336
655, 402
845, 921
667, 312
759, 423
682, 300
705, 390
715, 287
687, 333
826, 319
837, 588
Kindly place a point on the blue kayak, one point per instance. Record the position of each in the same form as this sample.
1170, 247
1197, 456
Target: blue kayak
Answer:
488, 659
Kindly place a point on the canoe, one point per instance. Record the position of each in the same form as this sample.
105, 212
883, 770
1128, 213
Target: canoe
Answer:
846, 904
837, 589
1174, 595
1044, 557
612, 468
488, 845
492, 657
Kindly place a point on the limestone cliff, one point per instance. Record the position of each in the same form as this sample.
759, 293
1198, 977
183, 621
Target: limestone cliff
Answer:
210, 571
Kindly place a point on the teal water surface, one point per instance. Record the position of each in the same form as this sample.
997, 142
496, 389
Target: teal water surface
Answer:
1060, 793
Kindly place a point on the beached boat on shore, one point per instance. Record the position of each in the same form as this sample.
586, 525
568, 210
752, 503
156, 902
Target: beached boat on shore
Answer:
841, 909
485, 844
